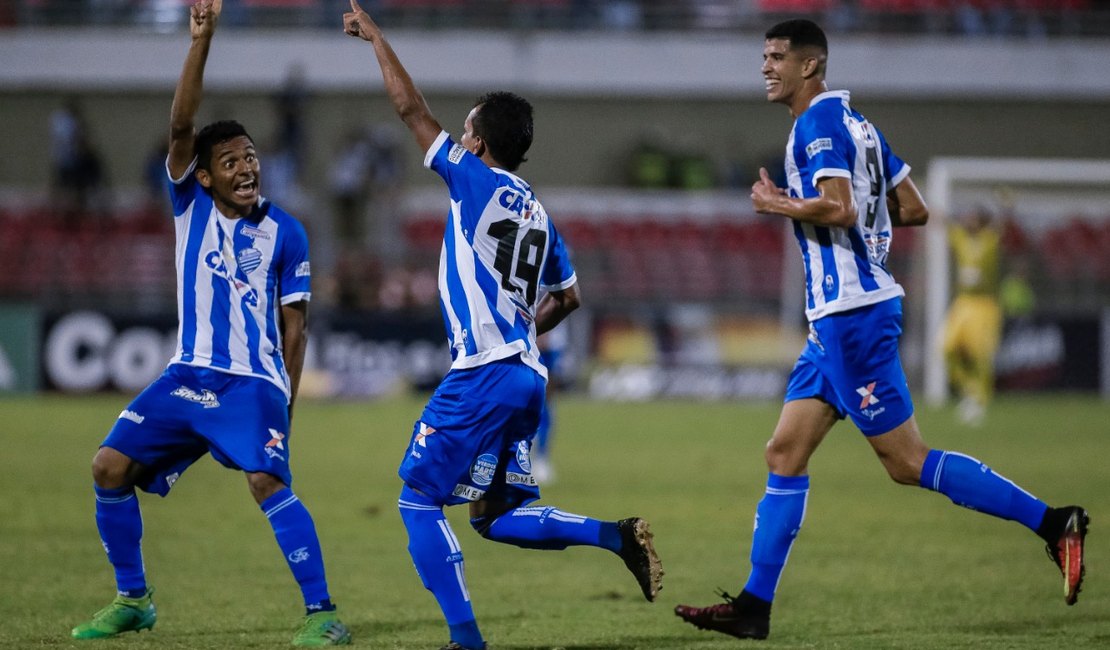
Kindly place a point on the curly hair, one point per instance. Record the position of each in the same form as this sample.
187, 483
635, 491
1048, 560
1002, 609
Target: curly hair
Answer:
213, 134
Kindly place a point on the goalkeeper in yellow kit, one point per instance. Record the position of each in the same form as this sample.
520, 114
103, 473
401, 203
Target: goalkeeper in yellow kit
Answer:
974, 323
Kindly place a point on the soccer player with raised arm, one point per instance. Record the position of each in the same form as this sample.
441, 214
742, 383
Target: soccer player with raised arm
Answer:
472, 442
847, 190
242, 294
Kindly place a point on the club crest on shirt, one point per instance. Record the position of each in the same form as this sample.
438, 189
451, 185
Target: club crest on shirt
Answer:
483, 469
249, 259
205, 398
522, 456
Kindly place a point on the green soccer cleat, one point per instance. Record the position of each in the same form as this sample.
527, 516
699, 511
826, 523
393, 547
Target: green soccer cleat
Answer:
123, 615
322, 629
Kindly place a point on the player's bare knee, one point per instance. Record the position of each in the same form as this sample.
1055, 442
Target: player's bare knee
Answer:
263, 485
111, 469
901, 470
782, 459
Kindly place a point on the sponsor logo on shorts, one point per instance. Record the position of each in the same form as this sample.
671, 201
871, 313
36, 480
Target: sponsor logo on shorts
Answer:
299, 555
275, 443
456, 154
468, 492
874, 413
483, 469
131, 415
205, 398
512, 478
868, 394
522, 456
172, 478
424, 432
815, 339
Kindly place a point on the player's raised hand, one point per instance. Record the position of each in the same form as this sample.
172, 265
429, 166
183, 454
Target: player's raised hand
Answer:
357, 22
203, 17
764, 192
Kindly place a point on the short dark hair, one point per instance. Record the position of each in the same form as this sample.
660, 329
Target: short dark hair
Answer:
801, 33
213, 134
504, 123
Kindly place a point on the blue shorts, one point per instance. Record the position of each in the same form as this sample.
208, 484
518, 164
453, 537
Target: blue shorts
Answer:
474, 438
851, 361
188, 411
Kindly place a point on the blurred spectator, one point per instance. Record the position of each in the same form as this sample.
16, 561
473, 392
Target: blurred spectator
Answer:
649, 166
78, 176
349, 180
291, 107
155, 192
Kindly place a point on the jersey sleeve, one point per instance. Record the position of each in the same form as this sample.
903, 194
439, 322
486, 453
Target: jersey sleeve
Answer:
296, 273
825, 142
470, 181
182, 190
558, 272
895, 169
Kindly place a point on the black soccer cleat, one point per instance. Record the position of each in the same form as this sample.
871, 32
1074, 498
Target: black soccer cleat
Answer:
639, 555
1067, 550
744, 617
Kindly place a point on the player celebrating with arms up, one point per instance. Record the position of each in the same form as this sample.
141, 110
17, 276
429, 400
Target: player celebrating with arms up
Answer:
847, 190
242, 295
471, 444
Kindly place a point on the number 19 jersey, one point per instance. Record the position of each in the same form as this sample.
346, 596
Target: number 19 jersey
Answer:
845, 268
499, 248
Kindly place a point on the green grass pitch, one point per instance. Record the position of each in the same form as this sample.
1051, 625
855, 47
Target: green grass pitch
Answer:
875, 566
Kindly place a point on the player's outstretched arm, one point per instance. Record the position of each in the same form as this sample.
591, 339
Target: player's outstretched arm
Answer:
186, 98
406, 97
555, 306
906, 206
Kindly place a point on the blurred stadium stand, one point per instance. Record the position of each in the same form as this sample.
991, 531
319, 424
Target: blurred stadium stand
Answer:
602, 71
1034, 18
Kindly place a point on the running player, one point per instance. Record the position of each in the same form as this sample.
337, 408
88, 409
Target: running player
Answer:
472, 442
242, 293
847, 190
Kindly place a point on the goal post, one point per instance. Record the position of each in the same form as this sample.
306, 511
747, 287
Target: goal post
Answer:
1048, 189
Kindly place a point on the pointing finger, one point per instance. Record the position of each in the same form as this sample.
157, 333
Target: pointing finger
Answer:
355, 6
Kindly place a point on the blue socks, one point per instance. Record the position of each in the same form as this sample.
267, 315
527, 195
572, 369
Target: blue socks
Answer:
971, 484
548, 528
778, 518
439, 561
121, 531
296, 535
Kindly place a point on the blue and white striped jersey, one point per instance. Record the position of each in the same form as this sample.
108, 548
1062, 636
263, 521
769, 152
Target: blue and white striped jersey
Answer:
845, 268
233, 276
499, 249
